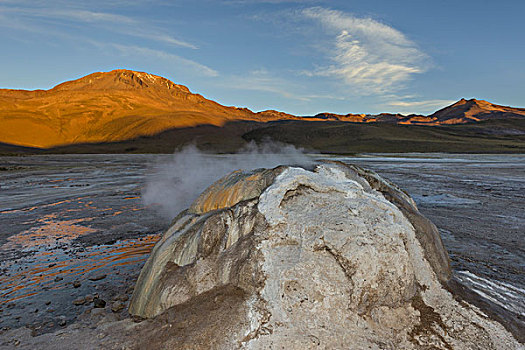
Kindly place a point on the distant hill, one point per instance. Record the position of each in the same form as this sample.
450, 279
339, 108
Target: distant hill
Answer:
463, 111
491, 136
124, 105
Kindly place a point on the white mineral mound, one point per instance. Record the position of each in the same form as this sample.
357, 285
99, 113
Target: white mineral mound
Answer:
288, 258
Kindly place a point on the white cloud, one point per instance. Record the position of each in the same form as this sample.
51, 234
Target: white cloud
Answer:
263, 80
415, 106
107, 21
256, 2
82, 15
424, 104
172, 58
369, 56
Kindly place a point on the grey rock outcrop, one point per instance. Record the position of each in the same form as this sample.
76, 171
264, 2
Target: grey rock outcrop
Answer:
290, 258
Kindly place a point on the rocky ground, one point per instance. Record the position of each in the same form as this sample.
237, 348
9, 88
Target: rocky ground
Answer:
75, 236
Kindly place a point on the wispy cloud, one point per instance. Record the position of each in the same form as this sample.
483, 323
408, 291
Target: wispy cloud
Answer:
423, 104
108, 21
415, 106
255, 2
263, 80
79, 15
368, 56
133, 50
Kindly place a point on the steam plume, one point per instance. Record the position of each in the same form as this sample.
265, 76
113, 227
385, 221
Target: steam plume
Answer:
176, 184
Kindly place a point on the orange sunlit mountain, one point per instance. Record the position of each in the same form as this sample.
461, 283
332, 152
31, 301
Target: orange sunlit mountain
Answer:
463, 111
473, 110
112, 106
123, 104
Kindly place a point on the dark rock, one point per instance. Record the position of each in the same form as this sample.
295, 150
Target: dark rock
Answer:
76, 284
61, 321
99, 303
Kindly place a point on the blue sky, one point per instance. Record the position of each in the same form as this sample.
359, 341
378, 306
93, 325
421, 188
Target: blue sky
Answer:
301, 57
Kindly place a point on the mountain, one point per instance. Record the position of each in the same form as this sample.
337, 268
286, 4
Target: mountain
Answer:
465, 111
106, 107
123, 105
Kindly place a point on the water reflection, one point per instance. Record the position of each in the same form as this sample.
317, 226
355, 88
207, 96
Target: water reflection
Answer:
62, 220
48, 270
48, 233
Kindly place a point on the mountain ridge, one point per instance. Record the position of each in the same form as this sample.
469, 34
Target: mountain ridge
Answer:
475, 110
124, 104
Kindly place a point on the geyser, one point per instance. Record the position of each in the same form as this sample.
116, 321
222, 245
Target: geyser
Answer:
333, 257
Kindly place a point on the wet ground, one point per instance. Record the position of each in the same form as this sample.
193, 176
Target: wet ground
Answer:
73, 230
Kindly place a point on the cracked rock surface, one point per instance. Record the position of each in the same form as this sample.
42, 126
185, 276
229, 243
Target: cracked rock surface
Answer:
333, 257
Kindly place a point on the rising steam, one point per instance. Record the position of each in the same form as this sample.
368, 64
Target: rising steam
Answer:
176, 184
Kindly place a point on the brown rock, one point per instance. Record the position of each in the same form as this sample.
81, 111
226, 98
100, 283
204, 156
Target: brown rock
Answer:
79, 301
117, 306
97, 277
